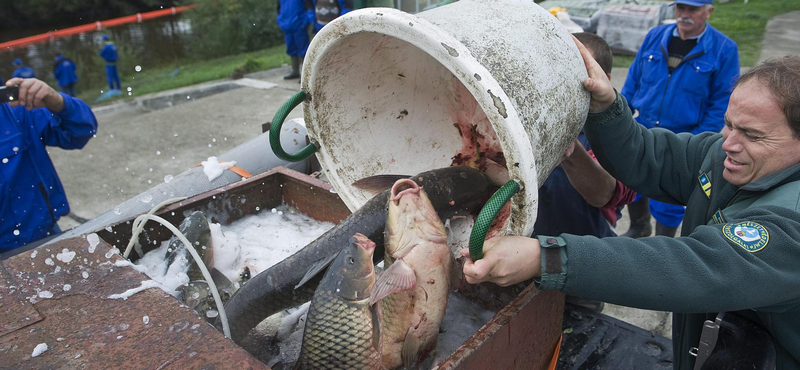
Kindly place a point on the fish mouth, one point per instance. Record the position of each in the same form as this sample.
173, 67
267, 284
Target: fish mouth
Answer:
403, 187
363, 242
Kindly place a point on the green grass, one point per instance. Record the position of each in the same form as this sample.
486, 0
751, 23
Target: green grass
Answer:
192, 72
744, 23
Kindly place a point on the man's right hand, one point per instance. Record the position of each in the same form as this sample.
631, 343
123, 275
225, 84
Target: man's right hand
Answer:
34, 93
603, 94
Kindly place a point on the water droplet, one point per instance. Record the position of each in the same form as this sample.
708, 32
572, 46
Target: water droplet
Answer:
332, 190
146, 198
168, 178
137, 68
16, 149
214, 140
209, 145
274, 210
258, 208
175, 135
5, 160
146, 319
188, 97
151, 169
117, 211
158, 152
129, 88
16, 232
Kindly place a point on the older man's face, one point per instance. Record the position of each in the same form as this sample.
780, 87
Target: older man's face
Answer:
757, 137
691, 20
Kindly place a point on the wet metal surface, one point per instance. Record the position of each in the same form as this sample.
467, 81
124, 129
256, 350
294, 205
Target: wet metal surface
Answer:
523, 335
59, 295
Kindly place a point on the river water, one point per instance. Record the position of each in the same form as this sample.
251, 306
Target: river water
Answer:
153, 43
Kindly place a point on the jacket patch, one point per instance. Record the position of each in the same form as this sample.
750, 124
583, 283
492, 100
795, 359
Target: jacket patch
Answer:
705, 184
749, 235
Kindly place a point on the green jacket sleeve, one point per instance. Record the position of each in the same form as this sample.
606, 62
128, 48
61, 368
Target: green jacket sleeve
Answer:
656, 163
705, 271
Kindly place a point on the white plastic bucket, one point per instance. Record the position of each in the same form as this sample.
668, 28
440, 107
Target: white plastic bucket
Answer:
387, 89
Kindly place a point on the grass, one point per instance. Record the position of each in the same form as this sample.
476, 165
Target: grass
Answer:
744, 23
192, 72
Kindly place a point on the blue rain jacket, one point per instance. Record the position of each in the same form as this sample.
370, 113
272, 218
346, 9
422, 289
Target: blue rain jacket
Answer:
65, 72
109, 53
32, 197
695, 96
23, 72
294, 15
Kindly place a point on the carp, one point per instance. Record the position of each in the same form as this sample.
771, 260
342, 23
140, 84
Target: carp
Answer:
342, 327
454, 191
420, 272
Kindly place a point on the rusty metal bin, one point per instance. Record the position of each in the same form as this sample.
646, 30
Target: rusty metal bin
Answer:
58, 294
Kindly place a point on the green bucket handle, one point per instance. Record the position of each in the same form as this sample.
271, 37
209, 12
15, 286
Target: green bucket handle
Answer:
487, 215
277, 124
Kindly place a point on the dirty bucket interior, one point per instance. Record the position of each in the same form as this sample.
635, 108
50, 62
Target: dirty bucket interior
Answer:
401, 112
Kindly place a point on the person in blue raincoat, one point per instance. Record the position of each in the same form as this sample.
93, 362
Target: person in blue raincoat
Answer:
64, 72
294, 17
328, 10
681, 80
22, 71
109, 54
33, 198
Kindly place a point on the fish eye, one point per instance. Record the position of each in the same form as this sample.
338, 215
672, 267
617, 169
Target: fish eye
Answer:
351, 260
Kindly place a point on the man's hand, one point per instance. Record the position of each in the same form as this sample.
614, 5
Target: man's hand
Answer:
603, 94
507, 260
34, 93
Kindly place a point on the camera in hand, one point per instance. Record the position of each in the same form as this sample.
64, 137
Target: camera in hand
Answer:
9, 94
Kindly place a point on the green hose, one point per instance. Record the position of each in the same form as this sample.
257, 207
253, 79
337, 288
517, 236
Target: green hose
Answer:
275, 131
487, 216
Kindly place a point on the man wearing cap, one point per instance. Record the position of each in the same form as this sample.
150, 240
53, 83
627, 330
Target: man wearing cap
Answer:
64, 72
681, 80
22, 71
109, 54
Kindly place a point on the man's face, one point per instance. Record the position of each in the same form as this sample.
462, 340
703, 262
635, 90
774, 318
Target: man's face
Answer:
691, 20
757, 137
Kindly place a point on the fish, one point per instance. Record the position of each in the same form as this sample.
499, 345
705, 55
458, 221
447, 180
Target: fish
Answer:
196, 230
342, 329
197, 293
420, 272
454, 191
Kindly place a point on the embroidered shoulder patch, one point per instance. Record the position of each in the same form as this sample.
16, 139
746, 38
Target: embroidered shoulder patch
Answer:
705, 184
749, 235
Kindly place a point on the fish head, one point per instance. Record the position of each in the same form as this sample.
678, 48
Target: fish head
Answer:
354, 268
411, 219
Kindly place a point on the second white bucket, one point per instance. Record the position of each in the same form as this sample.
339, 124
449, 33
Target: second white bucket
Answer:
395, 93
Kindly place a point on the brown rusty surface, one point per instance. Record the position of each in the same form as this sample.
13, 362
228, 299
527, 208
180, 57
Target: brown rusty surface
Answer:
523, 335
84, 327
16, 312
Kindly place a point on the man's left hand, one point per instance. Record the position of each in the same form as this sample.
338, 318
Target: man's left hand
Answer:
34, 93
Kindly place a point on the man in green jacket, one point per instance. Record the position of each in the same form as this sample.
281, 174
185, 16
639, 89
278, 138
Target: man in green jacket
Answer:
740, 245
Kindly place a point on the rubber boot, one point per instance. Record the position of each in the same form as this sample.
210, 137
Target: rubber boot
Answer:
295, 69
665, 230
300, 69
640, 219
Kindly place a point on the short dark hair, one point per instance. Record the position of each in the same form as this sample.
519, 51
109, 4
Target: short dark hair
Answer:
598, 47
782, 77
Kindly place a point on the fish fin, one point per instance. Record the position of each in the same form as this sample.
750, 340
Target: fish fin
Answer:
316, 268
376, 326
378, 183
410, 350
397, 278
219, 278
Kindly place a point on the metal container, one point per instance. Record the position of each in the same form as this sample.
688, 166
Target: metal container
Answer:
59, 294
